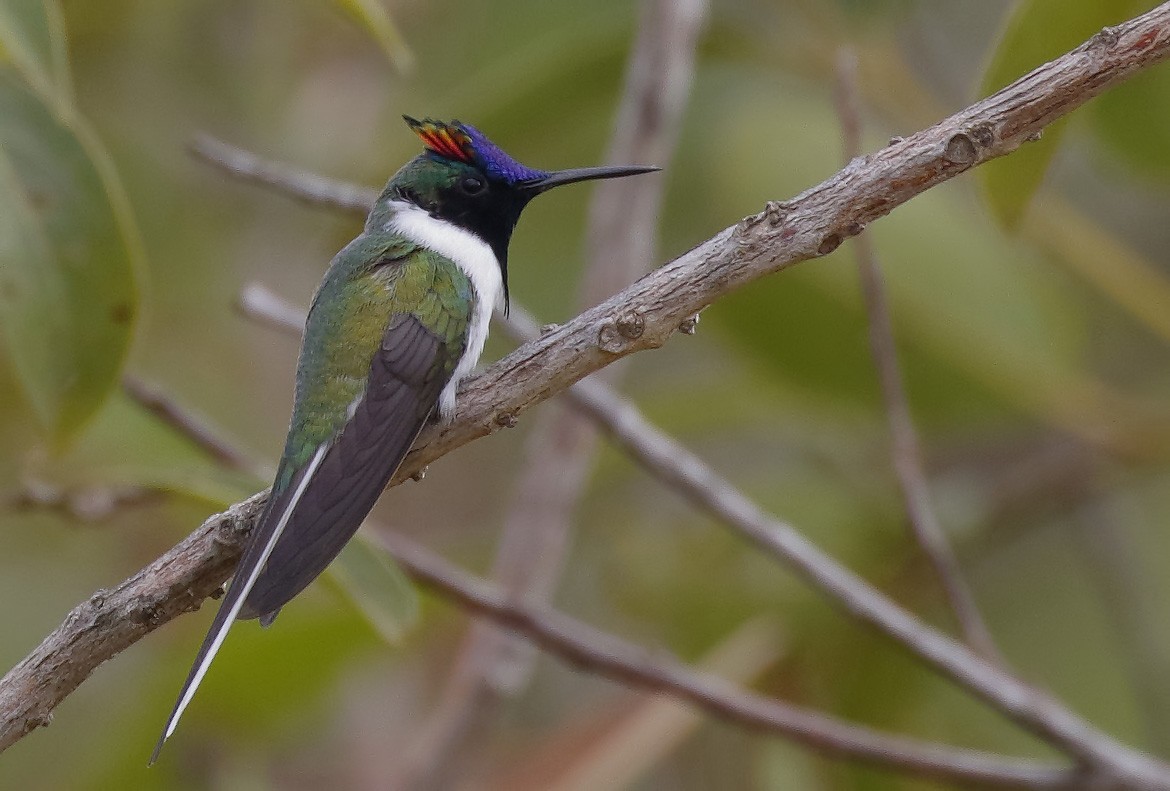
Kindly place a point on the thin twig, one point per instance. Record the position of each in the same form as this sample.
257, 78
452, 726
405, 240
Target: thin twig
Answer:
84, 503
606, 655
306, 187
198, 431
260, 304
257, 303
905, 450
623, 741
644, 316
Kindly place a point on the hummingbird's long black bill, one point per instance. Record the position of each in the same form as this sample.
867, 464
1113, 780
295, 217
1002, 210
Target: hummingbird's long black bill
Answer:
573, 175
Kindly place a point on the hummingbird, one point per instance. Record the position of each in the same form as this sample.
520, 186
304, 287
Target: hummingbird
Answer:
399, 319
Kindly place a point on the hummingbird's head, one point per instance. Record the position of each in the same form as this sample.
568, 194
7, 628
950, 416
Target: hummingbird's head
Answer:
467, 180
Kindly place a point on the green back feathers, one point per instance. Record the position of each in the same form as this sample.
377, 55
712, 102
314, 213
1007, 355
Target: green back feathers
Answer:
367, 282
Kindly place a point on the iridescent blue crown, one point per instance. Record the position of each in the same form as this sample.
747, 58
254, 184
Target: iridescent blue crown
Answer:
465, 143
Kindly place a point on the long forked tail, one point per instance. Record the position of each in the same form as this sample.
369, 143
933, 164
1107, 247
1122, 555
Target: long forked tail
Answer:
266, 533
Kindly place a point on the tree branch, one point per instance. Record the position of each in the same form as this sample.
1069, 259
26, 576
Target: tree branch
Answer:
205, 438
309, 188
644, 316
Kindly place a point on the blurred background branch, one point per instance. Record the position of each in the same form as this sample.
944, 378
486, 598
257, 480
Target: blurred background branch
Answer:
599, 653
905, 452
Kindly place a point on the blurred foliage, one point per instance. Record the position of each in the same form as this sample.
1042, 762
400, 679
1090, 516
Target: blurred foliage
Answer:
1036, 362
1141, 146
373, 16
1036, 31
68, 290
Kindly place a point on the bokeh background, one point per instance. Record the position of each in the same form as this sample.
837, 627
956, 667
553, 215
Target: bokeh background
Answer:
1034, 337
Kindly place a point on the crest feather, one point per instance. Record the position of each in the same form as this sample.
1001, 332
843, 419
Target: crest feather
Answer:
446, 140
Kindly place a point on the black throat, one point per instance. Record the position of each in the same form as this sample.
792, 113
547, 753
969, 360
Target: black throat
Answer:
491, 216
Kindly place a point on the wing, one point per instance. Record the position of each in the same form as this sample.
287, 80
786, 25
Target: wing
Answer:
307, 522
406, 377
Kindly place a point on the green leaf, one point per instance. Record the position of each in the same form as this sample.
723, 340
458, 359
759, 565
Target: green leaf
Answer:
1133, 120
374, 17
375, 583
68, 260
124, 445
1036, 31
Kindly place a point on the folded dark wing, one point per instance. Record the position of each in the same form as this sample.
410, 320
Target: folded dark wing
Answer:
406, 376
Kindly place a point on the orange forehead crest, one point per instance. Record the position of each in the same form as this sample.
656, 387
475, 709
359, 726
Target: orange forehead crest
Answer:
446, 140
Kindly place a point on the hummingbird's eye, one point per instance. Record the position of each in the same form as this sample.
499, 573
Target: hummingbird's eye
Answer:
472, 185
